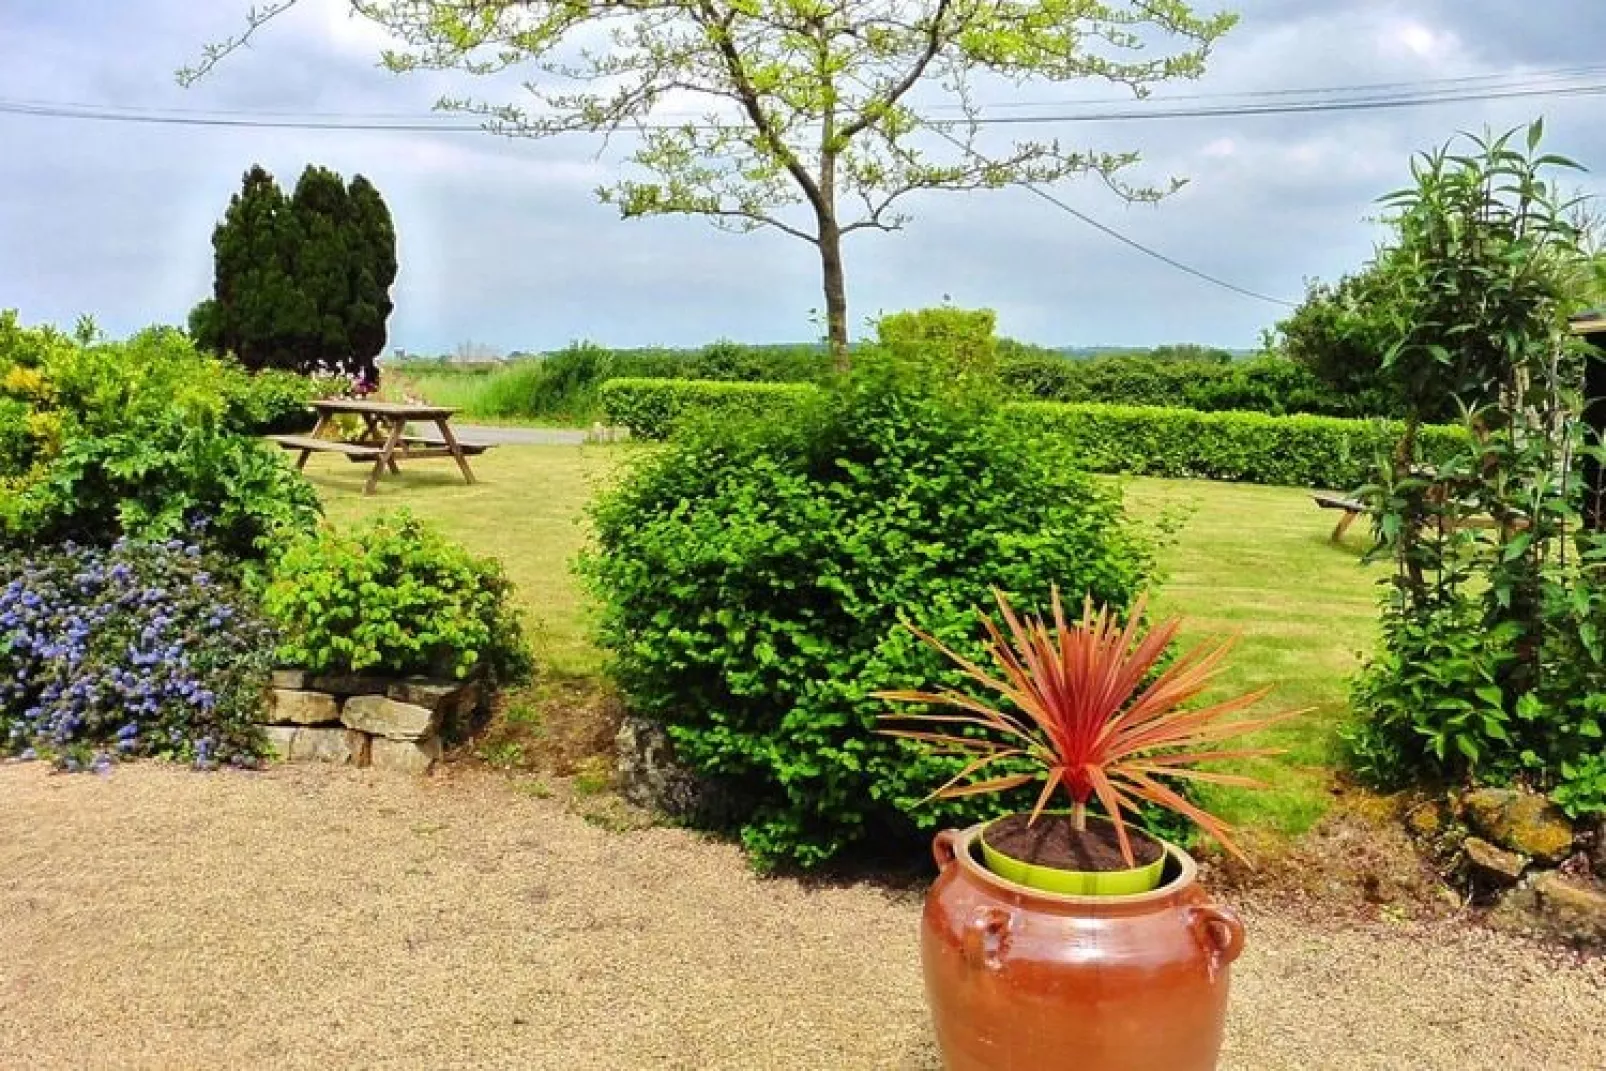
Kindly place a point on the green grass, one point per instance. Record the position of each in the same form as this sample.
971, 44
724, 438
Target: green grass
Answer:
497, 398
1249, 560
1256, 562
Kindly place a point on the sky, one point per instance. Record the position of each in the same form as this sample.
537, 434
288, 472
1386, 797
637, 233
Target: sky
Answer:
503, 244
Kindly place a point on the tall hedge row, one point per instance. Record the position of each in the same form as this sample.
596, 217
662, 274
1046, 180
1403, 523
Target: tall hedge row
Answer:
1300, 451
1295, 451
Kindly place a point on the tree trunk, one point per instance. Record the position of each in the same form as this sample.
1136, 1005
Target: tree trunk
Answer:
836, 294
1410, 537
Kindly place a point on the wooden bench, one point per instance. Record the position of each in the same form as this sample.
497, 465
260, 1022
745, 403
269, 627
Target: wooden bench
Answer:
355, 451
414, 441
1352, 507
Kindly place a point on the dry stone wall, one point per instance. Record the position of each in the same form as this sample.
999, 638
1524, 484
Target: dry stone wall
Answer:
360, 720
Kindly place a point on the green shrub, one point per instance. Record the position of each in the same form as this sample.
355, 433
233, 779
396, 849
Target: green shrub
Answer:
564, 386
1435, 702
956, 343
1431, 696
394, 595
653, 408
269, 402
135, 438
1302, 451
752, 576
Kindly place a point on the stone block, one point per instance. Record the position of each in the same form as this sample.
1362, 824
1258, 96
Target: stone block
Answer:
289, 707
437, 695
1520, 822
382, 716
293, 679
647, 773
344, 684
415, 757
1493, 865
280, 740
339, 746
1572, 909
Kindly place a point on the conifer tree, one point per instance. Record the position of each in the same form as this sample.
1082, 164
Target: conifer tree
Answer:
301, 282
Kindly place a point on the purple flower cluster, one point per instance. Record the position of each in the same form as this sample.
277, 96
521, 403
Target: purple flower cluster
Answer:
140, 649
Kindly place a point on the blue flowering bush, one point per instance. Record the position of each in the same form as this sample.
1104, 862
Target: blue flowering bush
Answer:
140, 649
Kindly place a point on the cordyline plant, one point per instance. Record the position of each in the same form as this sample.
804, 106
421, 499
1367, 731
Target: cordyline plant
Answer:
1088, 718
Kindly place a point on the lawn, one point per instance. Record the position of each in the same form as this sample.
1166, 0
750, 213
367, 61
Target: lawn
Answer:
1249, 560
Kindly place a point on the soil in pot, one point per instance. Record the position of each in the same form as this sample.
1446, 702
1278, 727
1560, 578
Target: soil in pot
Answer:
1051, 854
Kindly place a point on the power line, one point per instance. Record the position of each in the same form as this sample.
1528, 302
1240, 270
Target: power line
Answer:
1251, 104
1420, 87
1123, 239
1491, 80
336, 122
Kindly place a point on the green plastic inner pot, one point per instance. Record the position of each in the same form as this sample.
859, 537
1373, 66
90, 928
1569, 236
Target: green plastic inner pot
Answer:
1073, 882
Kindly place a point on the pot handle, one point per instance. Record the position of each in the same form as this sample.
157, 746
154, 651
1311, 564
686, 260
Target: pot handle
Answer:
986, 937
1221, 932
945, 847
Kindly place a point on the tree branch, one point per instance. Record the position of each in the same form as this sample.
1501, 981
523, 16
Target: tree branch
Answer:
218, 51
874, 111
719, 30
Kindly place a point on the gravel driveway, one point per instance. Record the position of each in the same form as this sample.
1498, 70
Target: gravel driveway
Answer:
324, 918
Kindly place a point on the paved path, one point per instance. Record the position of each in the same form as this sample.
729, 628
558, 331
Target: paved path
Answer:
499, 436
336, 919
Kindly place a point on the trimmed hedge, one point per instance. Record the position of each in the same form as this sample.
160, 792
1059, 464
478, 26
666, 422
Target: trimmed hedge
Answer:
651, 408
1294, 451
1298, 451
1266, 384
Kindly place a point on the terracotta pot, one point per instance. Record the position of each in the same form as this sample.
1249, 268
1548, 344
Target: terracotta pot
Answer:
1019, 979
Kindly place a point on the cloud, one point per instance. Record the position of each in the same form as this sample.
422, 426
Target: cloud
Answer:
503, 242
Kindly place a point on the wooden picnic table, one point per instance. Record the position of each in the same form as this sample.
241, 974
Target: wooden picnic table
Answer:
384, 439
1353, 509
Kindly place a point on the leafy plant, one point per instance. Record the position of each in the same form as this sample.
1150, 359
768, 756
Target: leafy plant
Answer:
140, 649
136, 438
1582, 790
1432, 697
750, 574
956, 344
1097, 716
1492, 664
271, 401
394, 595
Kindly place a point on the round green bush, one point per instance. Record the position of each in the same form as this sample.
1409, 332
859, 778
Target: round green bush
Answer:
394, 595
752, 577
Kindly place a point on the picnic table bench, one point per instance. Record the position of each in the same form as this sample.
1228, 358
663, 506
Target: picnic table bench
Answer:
384, 439
1354, 507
